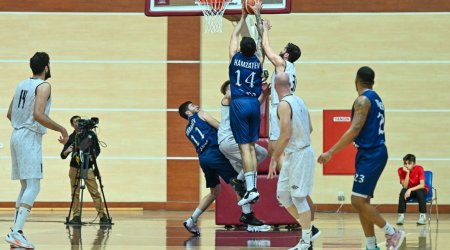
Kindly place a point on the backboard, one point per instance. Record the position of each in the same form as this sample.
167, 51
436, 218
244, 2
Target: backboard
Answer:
190, 8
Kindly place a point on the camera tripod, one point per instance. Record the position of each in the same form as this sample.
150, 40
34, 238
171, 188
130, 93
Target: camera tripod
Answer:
86, 154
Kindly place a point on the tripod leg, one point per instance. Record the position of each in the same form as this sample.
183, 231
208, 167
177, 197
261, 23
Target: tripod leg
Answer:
75, 181
99, 177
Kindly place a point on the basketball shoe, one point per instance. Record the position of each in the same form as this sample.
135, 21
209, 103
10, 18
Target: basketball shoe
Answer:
253, 224
191, 226
302, 245
315, 233
251, 196
393, 242
17, 239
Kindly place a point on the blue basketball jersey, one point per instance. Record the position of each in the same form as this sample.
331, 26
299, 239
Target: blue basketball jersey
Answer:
245, 76
372, 134
200, 133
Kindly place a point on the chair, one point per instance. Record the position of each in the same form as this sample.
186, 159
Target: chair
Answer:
431, 196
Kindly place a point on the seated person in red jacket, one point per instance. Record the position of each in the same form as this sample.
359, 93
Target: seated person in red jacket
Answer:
412, 179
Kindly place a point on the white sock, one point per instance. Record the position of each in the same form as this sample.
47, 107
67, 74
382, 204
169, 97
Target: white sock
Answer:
21, 218
371, 242
401, 215
388, 229
250, 180
241, 176
15, 215
306, 235
246, 209
196, 214
423, 216
255, 178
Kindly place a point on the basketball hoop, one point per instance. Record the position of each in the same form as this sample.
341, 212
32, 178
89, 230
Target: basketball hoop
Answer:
213, 11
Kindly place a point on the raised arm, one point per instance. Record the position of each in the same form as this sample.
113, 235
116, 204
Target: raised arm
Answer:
259, 27
42, 95
362, 107
209, 119
273, 57
234, 41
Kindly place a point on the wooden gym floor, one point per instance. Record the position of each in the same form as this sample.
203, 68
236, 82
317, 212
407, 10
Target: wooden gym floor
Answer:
164, 230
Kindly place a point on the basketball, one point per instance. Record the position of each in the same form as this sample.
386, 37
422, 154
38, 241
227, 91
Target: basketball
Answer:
247, 6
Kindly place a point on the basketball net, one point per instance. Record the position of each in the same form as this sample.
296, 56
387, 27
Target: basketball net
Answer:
213, 11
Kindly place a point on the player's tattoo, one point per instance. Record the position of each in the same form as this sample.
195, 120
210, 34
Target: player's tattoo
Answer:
361, 107
259, 28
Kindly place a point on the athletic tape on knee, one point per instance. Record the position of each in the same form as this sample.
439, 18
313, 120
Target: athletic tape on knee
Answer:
301, 204
31, 191
284, 197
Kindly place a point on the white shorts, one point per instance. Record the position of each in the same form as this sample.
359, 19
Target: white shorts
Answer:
297, 173
26, 154
230, 149
274, 126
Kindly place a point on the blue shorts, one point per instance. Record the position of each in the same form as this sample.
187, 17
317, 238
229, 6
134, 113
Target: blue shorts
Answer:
245, 118
370, 164
214, 164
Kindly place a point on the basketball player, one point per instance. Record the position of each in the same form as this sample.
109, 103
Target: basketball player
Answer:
28, 113
297, 174
201, 130
230, 150
245, 72
283, 62
367, 133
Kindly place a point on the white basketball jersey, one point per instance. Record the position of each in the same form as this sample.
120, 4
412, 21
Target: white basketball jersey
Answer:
290, 70
300, 136
224, 126
23, 106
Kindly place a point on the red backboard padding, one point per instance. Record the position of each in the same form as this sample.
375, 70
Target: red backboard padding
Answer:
335, 123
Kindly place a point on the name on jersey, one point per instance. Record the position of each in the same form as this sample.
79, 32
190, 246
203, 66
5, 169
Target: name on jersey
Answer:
190, 127
248, 65
379, 104
342, 119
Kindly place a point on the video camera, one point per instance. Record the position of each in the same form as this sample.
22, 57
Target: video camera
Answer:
87, 124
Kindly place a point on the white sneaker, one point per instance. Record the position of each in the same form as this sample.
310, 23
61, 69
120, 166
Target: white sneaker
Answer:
191, 226
301, 246
251, 196
422, 220
401, 219
17, 239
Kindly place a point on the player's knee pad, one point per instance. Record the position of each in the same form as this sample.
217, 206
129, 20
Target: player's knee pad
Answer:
301, 204
31, 191
284, 197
